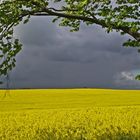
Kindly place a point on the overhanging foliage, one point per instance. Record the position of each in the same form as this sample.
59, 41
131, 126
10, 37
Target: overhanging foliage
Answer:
123, 16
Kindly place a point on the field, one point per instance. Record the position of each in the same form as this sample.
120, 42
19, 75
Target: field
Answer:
70, 114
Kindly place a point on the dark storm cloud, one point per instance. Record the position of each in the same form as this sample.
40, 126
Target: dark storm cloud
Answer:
54, 57
37, 32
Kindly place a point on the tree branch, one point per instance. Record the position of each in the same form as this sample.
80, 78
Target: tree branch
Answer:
60, 13
102, 23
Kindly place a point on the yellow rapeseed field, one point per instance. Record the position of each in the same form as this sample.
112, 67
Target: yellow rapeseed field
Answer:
70, 114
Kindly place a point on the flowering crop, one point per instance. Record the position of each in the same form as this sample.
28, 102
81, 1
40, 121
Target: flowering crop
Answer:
56, 122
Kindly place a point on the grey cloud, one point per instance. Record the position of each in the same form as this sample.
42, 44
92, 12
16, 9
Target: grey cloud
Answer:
54, 57
37, 32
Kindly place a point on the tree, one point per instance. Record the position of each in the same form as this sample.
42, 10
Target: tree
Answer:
123, 16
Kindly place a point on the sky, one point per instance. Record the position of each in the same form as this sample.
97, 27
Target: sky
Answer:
53, 57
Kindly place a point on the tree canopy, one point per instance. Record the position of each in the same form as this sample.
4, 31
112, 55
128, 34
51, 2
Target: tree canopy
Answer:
123, 16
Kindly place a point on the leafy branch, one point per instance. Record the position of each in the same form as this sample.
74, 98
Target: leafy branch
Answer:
119, 15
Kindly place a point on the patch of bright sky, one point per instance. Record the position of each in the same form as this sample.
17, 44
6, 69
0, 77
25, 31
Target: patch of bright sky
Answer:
135, 72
